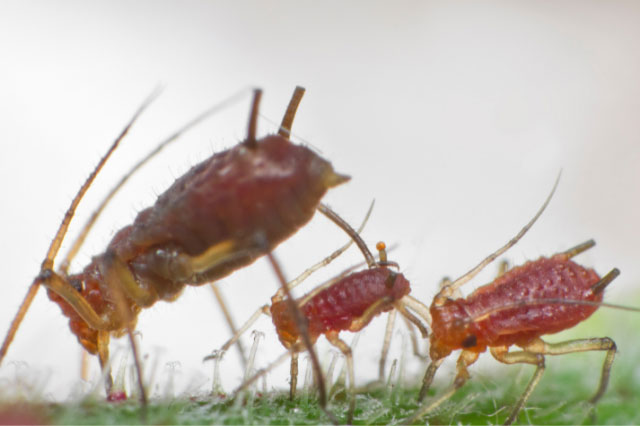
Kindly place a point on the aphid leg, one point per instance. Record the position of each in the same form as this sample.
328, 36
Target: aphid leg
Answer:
333, 338
296, 348
303, 328
333, 216
122, 284
48, 263
462, 375
413, 337
399, 305
502, 354
428, 378
411, 320
294, 376
84, 365
391, 320
534, 353
227, 316
449, 289
324, 262
61, 287
261, 310
103, 356
418, 307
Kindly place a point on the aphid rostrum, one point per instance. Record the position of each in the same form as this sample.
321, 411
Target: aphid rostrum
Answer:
221, 215
345, 303
540, 297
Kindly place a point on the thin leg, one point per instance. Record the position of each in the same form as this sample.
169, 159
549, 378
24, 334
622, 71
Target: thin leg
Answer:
415, 346
502, 354
335, 218
399, 305
294, 376
346, 350
84, 365
263, 371
582, 345
61, 287
122, 283
324, 262
303, 328
103, 356
462, 375
428, 378
227, 316
252, 319
120, 279
391, 320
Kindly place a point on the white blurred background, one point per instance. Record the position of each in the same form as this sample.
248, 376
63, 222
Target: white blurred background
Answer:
455, 118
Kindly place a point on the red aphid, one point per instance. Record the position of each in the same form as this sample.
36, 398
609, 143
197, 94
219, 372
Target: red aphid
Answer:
338, 307
541, 297
463, 324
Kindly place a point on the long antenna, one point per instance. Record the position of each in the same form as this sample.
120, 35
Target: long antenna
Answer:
47, 263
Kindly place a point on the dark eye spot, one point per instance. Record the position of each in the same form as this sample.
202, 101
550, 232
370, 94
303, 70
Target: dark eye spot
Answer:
77, 284
470, 341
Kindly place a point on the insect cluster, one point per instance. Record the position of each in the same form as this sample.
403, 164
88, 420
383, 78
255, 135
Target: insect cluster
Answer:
238, 205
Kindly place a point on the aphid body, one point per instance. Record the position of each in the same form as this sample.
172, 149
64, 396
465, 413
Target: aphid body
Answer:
541, 297
221, 215
462, 323
342, 306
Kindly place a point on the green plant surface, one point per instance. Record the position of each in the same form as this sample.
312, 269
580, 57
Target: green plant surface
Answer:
559, 399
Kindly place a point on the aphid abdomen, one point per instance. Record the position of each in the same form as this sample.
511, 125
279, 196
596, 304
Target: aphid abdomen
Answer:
335, 308
252, 198
557, 277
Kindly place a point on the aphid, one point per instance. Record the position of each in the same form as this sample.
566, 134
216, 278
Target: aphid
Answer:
346, 303
540, 297
221, 215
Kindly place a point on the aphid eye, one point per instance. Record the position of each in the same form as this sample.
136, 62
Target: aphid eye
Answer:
77, 284
470, 341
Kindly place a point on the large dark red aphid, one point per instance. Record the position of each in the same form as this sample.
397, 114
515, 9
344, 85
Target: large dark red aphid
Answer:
221, 215
541, 297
